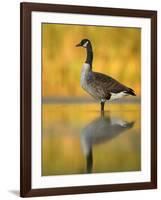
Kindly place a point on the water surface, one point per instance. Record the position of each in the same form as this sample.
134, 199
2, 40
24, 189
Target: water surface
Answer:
77, 139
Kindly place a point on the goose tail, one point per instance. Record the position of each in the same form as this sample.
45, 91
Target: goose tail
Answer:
130, 92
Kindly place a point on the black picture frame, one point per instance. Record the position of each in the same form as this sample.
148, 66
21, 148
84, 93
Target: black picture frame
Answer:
26, 108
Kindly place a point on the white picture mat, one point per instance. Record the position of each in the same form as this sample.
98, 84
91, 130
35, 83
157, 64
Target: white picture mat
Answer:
39, 181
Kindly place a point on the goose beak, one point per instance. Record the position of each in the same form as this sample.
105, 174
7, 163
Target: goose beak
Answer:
78, 45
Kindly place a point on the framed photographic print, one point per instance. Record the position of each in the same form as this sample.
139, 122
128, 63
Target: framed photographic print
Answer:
88, 99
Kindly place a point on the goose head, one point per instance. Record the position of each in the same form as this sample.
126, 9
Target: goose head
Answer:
85, 43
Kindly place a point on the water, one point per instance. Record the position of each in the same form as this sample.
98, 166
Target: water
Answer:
77, 139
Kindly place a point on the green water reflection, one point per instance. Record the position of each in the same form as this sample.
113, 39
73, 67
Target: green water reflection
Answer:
76, 139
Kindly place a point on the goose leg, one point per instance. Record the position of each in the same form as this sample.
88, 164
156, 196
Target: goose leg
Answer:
102, 106
89, 161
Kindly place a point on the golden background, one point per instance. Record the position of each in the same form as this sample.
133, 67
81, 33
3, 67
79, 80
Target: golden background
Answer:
117, 52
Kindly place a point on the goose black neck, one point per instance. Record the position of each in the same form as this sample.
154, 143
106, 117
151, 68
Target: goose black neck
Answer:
89, 58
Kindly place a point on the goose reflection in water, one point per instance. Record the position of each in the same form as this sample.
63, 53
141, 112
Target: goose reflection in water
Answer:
101, 130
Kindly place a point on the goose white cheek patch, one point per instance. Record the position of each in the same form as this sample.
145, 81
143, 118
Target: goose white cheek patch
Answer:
85, 44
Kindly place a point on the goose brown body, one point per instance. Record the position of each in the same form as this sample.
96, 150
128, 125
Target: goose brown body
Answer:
101, 86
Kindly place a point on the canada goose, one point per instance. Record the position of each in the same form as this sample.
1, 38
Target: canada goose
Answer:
100, 130
98, 85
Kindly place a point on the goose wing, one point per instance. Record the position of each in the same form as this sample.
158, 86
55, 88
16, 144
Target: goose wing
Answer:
110, 85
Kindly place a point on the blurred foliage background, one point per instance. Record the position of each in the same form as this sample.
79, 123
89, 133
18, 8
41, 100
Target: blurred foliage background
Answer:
117, 52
